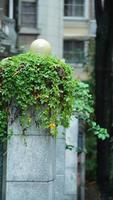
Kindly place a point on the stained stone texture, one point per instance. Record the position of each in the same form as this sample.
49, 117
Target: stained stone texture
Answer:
30, 164
60, 151
59, 187
60, 156
61, 132
60, 164
30, 159
29, 191
71, 159
16, 128
70, 197
66, 163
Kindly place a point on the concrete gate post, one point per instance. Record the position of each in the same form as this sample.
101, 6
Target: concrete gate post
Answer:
66, 162
31, 157
30, 170
71, 161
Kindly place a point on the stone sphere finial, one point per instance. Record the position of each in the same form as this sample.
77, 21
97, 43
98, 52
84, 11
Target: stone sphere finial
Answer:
41, 46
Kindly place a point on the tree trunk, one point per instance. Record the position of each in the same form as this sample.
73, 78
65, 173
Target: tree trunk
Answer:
103, 75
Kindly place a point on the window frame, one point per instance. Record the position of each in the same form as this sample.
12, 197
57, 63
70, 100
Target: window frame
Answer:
27, 29
76, 64
85, 16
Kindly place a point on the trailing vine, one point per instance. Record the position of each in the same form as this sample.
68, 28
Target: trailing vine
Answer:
84, 107
42, 87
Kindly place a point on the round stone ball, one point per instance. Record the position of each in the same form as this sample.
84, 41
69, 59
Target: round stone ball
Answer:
41, 46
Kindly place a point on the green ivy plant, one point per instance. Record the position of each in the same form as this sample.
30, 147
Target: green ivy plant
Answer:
36, 83
84, 107
42, 87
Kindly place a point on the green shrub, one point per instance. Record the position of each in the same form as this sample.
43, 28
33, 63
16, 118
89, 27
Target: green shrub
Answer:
43, 87
44, 84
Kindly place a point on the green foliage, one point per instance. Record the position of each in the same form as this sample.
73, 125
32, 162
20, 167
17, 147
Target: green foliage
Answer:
43, 87
100, 132
83, 101
39, 83
84, 107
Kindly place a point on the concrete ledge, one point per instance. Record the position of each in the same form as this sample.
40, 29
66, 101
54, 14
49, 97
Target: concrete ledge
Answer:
29, 191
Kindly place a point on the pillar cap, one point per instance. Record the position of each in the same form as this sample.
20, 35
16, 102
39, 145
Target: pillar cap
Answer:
41, 46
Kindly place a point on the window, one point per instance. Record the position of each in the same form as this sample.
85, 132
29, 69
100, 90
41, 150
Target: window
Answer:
74, 8
74, 51
28, 14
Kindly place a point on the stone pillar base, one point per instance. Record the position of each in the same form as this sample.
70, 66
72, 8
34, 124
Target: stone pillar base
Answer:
30, 164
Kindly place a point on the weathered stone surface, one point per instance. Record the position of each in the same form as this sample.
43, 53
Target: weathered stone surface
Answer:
71, 159
61, 132
72, 132
66, 163
60, 156
60, 191
60, 164
59, 187
31, 163
70, 197
70, 181
30, 191
16, 128
30, 158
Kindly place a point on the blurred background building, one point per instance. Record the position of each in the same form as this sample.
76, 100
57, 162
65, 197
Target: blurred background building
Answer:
67, 24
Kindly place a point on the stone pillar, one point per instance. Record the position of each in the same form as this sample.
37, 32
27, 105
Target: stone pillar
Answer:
50, 23
30, 170
66, 162
71, 160
60, 165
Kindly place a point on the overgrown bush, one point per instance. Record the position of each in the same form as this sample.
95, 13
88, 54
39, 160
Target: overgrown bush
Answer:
41, 84
43, 87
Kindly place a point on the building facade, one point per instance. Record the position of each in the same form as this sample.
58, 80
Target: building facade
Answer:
66, 24
79, 28
7, 33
